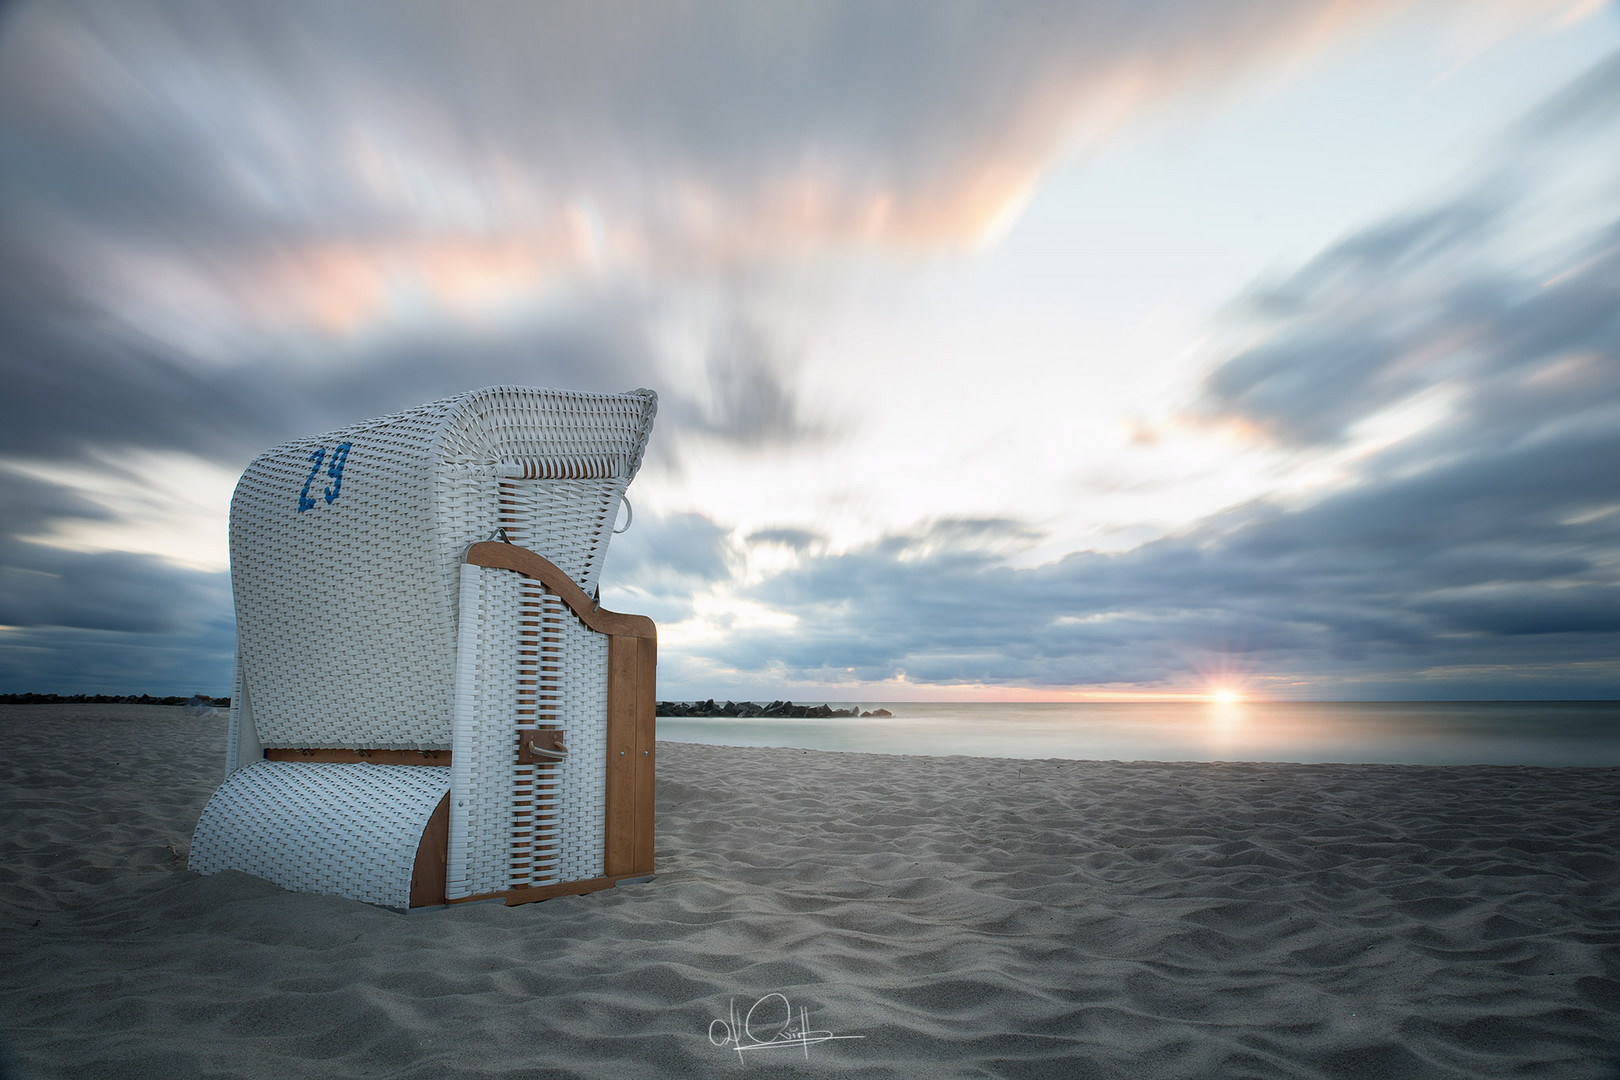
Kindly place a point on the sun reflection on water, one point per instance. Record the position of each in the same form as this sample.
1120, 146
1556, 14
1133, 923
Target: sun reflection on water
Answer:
1228, 722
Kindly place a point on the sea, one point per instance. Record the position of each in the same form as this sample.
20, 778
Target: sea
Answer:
1385, 732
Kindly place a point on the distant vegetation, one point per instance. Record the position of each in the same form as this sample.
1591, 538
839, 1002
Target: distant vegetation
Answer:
750, 709
111, 699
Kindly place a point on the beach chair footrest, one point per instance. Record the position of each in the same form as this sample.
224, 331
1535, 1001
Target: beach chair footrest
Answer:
347, 830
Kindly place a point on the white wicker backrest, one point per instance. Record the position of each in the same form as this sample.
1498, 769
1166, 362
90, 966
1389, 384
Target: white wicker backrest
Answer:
346, 550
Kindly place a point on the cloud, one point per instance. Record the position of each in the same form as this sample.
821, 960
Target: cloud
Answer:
1470, 553
1375, 586
1498, 300
747, 398
658, 565
116, 591
1583, 107
202, 204
72, 621
55, 660
32, 503
689, 547
225, 226
794, 539
329, 168
1514, 351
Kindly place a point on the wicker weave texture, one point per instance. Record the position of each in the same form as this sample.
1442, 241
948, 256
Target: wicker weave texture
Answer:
233, 735
352, 830
580, 800
485, 755
345, 550
515, 825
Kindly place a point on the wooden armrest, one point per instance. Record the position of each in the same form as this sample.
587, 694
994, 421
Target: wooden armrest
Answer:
502, 556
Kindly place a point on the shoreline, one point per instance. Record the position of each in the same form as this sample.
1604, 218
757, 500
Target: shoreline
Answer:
965, 916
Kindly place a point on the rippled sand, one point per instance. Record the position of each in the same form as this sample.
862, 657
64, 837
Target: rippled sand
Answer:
964, 916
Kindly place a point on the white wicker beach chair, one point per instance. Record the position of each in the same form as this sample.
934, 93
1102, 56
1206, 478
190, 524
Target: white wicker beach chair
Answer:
429, 706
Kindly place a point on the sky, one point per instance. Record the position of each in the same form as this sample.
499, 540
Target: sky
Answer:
1069, 351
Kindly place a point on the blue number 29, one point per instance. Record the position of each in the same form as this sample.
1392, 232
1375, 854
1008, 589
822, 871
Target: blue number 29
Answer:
334, 470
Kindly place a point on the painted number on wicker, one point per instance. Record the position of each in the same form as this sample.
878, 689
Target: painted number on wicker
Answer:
335, 470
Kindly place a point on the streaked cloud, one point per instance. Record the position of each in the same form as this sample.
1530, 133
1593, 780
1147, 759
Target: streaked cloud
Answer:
225, 226
321, 170
1466, 546
1385, 590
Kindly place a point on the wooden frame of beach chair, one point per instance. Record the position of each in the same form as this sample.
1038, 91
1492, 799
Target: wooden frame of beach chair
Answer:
429, 706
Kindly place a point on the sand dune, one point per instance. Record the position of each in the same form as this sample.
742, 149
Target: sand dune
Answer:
964, 917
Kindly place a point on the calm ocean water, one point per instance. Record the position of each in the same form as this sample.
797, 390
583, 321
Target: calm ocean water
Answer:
1395, 732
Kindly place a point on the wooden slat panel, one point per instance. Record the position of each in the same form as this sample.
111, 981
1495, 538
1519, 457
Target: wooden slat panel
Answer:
528, 894
350, 757
645, 752
432, 858
619, 851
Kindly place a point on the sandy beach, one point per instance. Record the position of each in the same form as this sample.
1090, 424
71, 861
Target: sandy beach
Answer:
945, 916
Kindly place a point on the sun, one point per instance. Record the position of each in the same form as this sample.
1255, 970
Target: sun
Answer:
1225, 696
